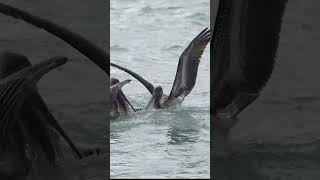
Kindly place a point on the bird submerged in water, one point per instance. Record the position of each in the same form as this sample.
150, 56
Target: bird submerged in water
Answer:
243, 49
186, 75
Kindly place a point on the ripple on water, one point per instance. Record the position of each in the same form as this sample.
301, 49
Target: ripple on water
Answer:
270, 161
118, 48
168, 139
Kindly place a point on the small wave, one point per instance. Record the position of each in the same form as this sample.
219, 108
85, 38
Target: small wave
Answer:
305, 99
197, 23
199, 16
146, 9
174, 8
265, 150
275, 102
118, 48
174, 47
306, 27
4, 40
263, 159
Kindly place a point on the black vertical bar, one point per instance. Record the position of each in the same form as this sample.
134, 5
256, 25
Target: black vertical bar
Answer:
108, 91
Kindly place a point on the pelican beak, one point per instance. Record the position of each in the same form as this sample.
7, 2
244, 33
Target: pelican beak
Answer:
35, 72
42, 68
115, 89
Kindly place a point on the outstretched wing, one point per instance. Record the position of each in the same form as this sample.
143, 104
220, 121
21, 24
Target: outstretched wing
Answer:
243, 51
121, 95
187, 70
146, 83
10, 101
94, 53
12, 91
40, 110
116, 88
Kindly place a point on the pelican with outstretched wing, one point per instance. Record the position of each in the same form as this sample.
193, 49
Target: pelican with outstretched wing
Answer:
185, 78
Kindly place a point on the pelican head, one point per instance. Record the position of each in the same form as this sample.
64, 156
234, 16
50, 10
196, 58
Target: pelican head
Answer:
11, 63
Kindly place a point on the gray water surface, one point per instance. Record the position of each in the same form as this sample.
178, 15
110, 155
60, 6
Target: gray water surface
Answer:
148, 37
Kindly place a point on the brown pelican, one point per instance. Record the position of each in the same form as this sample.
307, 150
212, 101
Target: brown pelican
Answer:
28, 131
119, 102
246, 36
186, 74
115, 88
20, 127
94, 53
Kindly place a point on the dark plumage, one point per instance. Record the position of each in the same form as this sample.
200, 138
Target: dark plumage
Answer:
246, 36
26, 124
116, 88
185, 78
120, 104
18, 120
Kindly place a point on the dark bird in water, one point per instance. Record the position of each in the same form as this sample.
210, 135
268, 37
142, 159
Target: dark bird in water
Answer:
119, 106
186, 75
90, 50
84, 46
243, 50
119, 102
28, 130
116, 88
23, 123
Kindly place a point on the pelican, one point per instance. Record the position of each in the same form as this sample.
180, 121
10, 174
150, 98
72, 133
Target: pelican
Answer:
186, 75
28, 131
119, 102
20, 126
243, 50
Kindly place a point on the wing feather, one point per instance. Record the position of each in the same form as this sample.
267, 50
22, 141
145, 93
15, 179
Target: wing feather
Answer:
146, 83
12, 90
244, 49
187, 69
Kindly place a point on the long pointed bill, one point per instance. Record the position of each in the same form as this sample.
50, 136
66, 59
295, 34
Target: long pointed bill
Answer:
35, 72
